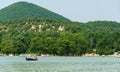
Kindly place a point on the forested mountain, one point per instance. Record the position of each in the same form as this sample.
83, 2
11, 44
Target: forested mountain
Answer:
21, 10
40, 36
28, 28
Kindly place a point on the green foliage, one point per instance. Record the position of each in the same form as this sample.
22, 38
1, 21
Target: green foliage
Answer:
28, 28
42, 36
21, 10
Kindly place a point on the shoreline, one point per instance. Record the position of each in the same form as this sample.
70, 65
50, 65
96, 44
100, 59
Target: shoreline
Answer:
47, 55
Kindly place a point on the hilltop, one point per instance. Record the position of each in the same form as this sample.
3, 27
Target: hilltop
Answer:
28, 28
22, 10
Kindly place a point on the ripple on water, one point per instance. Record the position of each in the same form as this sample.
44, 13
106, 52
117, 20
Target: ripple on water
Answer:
61, 64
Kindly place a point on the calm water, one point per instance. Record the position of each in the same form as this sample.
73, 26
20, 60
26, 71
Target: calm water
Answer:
60, 64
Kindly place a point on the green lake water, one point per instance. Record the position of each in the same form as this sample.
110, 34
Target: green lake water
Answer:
60, 64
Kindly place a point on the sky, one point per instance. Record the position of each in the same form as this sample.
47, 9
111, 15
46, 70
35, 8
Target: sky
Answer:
78, 10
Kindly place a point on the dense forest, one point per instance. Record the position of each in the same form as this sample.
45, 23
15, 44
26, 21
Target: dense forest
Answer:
28, 28
23, 9
56, 37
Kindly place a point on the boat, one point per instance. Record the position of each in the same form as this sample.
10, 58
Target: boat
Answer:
31, 58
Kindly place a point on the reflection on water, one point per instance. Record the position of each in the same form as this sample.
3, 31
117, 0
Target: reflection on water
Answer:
60, 64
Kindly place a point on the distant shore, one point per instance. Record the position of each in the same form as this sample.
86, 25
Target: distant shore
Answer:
47, 55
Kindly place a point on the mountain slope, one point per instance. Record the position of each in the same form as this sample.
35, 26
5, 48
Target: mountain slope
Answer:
27, 10
39, 36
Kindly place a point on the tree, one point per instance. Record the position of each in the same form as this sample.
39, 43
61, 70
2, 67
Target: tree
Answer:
7, 46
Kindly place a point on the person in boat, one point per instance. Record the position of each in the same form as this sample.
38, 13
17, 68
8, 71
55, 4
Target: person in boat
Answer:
30, 57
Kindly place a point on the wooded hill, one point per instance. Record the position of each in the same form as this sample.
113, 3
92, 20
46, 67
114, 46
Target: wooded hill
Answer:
28, 28
41, 36
23, 9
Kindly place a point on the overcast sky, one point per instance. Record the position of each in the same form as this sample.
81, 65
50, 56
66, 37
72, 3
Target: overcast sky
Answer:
78, 10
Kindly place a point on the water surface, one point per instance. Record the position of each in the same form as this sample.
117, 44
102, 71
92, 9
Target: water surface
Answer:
60, 64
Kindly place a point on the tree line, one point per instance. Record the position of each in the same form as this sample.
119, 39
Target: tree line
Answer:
17, 37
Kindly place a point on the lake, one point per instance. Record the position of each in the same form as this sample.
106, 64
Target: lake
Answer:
60, 64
